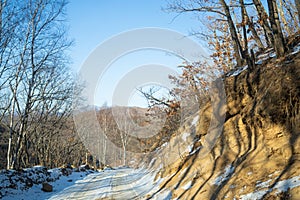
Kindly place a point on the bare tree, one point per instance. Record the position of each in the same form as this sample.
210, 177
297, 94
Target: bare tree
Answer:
239, 56
105, 120
39, 58
124, 124
279, 44
222, 9
263, 20
8, 26
50, 116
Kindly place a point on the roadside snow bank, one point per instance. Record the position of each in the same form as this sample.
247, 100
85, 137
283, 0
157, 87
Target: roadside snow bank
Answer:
16, 182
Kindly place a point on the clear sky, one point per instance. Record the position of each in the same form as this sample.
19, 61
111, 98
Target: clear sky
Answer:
94, 21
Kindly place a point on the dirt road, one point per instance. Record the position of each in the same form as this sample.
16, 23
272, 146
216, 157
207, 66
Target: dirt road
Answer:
124, 183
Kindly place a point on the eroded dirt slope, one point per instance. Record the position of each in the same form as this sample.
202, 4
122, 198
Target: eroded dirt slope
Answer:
257, 154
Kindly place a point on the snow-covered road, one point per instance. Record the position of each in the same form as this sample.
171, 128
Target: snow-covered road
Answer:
122, 184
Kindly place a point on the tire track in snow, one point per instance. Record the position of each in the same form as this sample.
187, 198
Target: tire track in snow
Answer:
113, 184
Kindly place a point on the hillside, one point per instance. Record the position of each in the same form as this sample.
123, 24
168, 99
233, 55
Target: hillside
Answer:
257, 154
246, 148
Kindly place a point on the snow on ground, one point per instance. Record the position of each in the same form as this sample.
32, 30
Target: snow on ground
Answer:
26, 178
195, 120
124, 183
15, 185
187, 186
237, 71
190, 148
184, 136
152, 161
120, 183
281, 186
223, 177
296, 49
164, 144
270, 53
195, 150
265, 184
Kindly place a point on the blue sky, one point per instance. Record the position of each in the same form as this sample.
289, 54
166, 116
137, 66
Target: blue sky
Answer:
94, 21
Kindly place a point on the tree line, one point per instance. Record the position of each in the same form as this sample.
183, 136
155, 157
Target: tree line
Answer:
129, 133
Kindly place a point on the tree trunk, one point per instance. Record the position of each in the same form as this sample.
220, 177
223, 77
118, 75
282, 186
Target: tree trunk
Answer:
124, 155
245, 20
103, 160
124, 137
11, 124
279, 43
263, 17
86, 157
17, 153
236, 43
297, 3
104, 138
282, 16
23, 124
